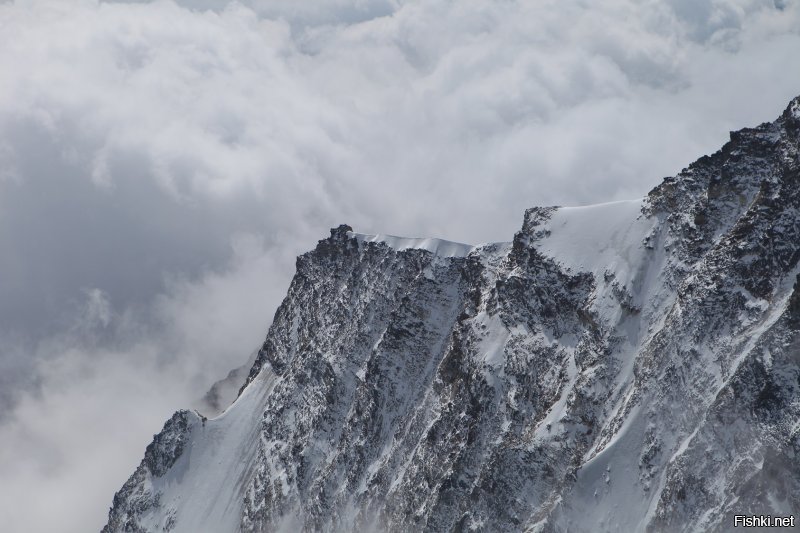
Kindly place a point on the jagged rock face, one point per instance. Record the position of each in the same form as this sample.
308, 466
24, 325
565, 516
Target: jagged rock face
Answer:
137, 497
632, 366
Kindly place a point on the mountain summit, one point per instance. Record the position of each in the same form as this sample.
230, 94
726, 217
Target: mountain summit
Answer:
630, 366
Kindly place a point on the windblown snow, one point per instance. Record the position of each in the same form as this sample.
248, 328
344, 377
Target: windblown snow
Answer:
438, 247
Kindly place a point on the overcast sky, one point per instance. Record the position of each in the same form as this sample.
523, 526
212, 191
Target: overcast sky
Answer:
162, 164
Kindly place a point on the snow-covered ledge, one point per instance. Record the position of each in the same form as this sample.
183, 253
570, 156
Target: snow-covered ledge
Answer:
438, 247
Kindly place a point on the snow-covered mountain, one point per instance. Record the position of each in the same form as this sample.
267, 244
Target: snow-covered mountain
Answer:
631, 366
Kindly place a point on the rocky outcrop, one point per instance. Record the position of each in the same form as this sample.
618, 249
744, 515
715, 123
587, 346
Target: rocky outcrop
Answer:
137, 497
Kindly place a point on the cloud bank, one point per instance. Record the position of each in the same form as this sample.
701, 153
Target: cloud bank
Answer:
162, 163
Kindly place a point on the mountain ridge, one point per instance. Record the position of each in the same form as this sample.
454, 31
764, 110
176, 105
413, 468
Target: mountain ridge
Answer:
625, 366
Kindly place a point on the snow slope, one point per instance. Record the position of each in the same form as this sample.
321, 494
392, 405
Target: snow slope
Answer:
204, 490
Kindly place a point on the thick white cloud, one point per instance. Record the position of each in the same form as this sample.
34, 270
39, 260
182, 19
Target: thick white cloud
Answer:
162, 163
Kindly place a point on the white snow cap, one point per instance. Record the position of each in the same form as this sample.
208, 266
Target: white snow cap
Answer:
439, 247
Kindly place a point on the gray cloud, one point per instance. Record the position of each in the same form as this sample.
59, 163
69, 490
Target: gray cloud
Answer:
162, 163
